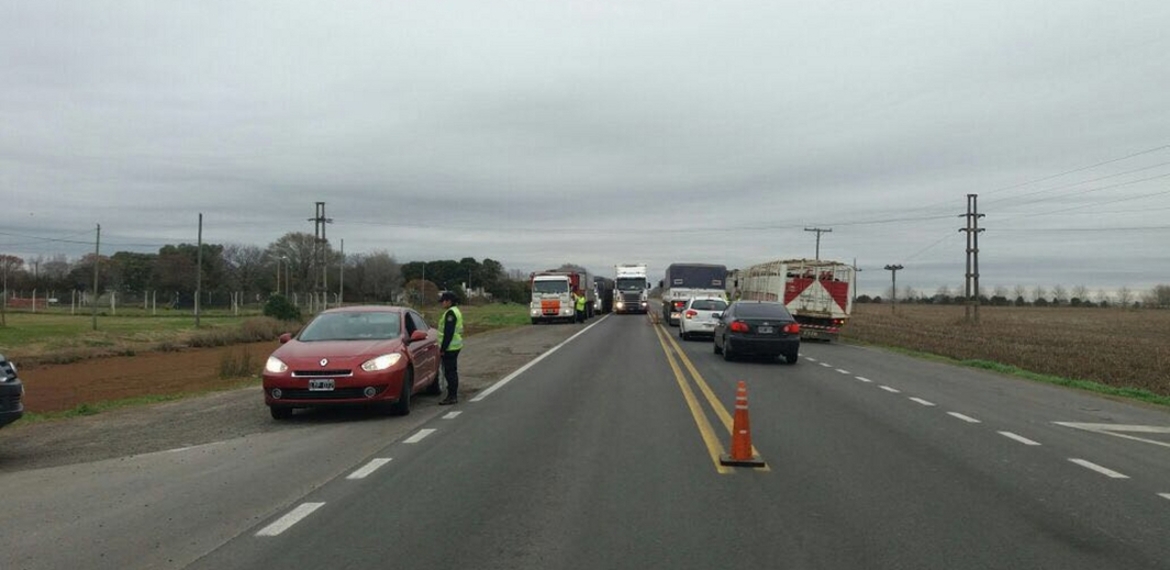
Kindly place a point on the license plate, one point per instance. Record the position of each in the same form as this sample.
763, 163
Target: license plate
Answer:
765, 330
675, 315
321, 385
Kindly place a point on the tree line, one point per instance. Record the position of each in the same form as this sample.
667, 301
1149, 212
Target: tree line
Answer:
1038, 296
292, 265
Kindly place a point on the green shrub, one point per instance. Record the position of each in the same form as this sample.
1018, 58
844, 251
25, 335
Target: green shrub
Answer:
279, 307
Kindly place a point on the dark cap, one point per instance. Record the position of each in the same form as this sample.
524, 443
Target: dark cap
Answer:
448, 296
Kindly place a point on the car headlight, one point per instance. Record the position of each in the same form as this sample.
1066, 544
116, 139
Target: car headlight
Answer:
275, 366
382, 362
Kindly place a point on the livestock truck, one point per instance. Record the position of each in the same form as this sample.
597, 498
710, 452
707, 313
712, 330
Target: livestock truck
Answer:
686, 280
631, 289
818, 293
552, 295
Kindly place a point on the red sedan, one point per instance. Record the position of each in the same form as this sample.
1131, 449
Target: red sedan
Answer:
354, 355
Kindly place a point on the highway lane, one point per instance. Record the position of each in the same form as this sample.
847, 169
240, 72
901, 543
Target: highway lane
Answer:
600, 455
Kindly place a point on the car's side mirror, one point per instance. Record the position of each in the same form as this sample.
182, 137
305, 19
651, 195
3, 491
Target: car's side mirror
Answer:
717, 315
285, 338
417, 336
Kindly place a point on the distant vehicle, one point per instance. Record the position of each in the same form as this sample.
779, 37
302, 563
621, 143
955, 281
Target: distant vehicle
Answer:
631, 288
757, 328
818, 293
603, 288
364, 355
552, 295
686, 280
699, 316
11, 393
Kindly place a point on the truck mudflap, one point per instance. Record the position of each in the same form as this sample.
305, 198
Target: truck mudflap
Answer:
818, 332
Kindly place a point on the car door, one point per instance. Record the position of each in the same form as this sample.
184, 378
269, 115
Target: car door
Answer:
424, 353
721, 324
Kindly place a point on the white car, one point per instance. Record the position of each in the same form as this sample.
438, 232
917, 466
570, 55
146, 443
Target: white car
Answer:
699, 316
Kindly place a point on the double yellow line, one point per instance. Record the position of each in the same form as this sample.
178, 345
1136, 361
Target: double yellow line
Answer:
674, 355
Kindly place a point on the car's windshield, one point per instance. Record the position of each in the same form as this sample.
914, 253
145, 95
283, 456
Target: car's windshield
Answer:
708, 304
550, 287
631, 284
352, 326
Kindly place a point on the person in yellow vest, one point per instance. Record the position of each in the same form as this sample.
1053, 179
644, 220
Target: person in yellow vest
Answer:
450, 343
580, 306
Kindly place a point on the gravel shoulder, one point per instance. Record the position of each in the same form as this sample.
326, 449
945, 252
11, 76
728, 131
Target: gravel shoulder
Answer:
486, 358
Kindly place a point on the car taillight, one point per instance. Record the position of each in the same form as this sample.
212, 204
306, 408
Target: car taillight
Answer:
739, 326
679, 305
793, 328
691, 313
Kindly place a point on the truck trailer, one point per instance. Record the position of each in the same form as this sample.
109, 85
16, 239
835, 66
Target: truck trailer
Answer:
686, 280
818, 293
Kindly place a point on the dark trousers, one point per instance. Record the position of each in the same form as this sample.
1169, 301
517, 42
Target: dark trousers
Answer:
451, 372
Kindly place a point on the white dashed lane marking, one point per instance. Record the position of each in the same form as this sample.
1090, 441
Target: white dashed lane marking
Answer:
293, 517
842, 371
451, 415
863, 379
370, 467
1018, 438
1164, 495
419, 436
921, 401
967, 419
891, 390
810, 359
826, 364
1102, 470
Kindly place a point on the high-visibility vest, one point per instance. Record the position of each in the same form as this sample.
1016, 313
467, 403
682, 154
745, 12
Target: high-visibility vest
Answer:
457, 338
580, 302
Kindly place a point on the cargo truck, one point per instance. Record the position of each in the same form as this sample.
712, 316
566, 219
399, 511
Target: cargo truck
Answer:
604, 292
686, 280
818, 293
631, 289
552, 295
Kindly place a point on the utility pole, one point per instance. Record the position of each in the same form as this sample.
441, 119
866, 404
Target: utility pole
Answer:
971, 280
819, 232
199, 269
853, 285
320, 255
97, 249
341, 277
893, 269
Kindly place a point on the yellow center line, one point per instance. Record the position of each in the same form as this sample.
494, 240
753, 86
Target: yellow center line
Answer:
712, 400
714, 448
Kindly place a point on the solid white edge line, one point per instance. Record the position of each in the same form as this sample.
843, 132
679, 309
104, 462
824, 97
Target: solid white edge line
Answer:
863, 379
419, 436
842, 371
1102, 470
1018, 438
921, 401
451, 415
963, 417
890, 389
370, 467
293, 517
503, 381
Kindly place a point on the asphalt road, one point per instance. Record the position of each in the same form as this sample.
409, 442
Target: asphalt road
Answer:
602, 453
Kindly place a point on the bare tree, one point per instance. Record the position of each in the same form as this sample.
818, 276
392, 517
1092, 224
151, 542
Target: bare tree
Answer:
1159, 297
1059, 295
1019, 292
943, 295
1080, 292
1038, 293
1124, 296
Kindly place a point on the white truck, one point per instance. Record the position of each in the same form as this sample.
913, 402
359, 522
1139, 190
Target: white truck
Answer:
552, 295
631, 288
818, 293
686, 280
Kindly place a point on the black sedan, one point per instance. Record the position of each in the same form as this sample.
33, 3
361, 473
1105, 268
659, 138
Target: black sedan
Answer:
757, 328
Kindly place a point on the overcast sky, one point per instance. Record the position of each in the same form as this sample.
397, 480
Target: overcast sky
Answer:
601, 132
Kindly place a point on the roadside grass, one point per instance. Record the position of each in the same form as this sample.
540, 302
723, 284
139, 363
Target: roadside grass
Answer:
1117, 352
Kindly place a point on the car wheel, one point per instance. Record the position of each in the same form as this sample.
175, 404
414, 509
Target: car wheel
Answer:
727, 355
435, 388
402, 406
716, 347
790, 358
280, 412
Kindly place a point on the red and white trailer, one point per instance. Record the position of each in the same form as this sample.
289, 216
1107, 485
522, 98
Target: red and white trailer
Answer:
818, 293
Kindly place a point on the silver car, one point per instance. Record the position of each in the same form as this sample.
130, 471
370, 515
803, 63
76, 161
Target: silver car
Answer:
699, 316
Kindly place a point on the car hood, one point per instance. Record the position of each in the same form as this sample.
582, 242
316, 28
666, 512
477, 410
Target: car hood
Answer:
339, 353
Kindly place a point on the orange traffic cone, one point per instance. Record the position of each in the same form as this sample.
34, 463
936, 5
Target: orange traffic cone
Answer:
741, 434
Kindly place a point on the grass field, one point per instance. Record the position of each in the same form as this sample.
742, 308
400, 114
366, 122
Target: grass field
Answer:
1125, 351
